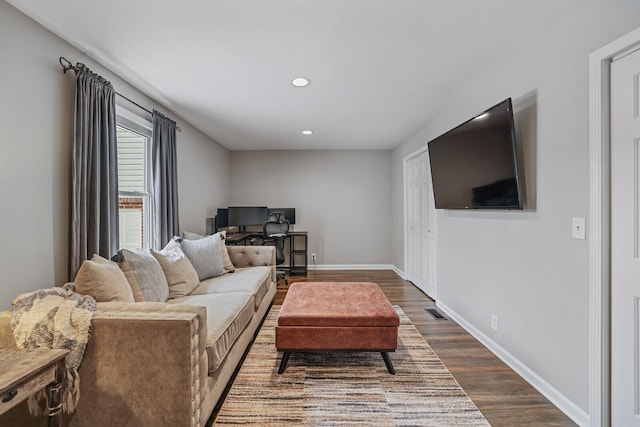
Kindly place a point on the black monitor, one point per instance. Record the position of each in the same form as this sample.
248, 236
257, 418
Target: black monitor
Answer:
247, 215
289, 213
222, 218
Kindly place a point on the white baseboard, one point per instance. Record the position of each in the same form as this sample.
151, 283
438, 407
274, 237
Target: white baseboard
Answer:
399, 272
573, 411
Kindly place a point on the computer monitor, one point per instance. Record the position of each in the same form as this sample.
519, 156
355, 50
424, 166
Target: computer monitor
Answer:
222, 218
247, 215
289, 213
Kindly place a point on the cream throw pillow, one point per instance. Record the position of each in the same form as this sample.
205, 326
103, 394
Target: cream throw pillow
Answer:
181, 276
226, 260
103, 280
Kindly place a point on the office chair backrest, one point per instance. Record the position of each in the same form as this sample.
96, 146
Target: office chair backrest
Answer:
271, 228
278, 217
276, 229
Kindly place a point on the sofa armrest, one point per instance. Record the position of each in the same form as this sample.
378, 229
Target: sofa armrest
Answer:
252, 256
146, 362
144, 365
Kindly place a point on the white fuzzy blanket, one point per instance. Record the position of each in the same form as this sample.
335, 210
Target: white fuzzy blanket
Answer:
55, 318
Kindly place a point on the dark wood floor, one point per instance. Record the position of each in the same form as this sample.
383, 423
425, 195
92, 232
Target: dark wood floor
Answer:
503, 396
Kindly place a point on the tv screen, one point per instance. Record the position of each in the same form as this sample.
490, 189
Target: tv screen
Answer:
247, 215
289, 213
473, 166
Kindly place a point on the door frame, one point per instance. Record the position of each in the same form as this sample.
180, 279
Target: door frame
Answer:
599, 230
405, 233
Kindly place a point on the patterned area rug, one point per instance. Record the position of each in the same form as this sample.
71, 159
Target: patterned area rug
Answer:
334, 389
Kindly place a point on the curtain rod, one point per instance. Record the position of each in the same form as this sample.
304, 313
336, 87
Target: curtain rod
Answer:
67, 65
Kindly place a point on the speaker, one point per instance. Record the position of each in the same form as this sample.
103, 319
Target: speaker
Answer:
211, 225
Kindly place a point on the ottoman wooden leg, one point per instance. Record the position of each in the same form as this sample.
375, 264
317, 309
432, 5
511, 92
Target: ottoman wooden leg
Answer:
387, 361
284, 361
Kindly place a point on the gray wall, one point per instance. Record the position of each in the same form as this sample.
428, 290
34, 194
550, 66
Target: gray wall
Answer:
36, 118
342, 198
524, 266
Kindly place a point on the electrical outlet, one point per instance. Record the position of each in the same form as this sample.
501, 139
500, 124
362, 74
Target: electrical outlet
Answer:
578, 228
313, 257
494, 322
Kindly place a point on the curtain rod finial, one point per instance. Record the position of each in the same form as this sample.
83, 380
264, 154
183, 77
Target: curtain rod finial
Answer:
66, 64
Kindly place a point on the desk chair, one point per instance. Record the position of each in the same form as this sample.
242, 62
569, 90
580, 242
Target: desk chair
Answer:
276, 229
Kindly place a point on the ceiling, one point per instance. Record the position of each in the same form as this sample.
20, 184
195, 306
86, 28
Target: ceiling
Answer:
378, 68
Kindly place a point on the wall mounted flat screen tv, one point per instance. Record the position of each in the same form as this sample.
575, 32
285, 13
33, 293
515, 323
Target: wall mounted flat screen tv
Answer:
474, 165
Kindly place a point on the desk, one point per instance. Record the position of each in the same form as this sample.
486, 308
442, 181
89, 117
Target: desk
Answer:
24, 372
240, 238
298, 260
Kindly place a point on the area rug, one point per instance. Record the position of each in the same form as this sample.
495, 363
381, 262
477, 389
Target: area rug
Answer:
347, 389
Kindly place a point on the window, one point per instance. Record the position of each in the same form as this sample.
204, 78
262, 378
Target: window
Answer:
134, 180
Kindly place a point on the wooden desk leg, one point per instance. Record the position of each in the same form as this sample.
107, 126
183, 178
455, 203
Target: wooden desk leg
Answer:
55, 390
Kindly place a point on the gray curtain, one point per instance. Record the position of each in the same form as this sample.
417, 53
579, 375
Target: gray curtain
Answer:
165, 180
94, 204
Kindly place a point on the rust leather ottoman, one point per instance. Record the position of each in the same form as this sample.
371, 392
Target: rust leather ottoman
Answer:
336, 316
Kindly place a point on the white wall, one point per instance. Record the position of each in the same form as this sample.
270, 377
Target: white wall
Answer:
524, 266
36, 122
342, 198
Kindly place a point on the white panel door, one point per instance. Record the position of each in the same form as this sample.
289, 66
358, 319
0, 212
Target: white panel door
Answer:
625, 241
421, 226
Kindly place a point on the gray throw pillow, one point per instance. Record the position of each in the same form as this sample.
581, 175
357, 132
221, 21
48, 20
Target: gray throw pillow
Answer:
206, 255
144, 274
192, 236
226, 259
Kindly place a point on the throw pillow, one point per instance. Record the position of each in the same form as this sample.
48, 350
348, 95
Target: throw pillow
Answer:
206, 255
103, 280
226, 259
145, 275
181, 276
192, 236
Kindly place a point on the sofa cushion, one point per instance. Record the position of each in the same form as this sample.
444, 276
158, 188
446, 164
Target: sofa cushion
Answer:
145, 275
206, 255
227, 316
254, 280
103, 280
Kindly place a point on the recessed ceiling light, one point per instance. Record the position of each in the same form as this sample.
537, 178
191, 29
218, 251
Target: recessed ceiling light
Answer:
307, 132
300, 82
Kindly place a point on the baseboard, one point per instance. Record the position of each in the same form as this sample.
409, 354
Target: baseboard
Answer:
399, 272
573, 411
352, 267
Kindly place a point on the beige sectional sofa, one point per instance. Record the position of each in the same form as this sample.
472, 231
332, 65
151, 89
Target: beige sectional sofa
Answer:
167, 363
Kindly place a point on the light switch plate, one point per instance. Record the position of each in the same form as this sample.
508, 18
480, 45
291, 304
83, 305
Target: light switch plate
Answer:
578, 228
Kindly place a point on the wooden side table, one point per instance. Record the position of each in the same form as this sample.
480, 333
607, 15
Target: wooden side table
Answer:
24, 372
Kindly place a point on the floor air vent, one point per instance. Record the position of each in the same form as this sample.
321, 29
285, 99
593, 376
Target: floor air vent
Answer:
435, 313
